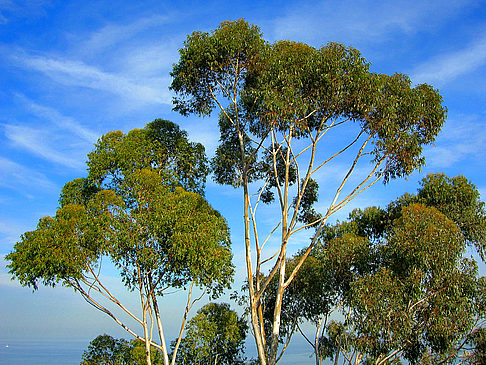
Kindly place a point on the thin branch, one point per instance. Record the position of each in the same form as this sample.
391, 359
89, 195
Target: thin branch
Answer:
270, 258
105, 310
179, 338
108, 295
329, 212
302, 188
356, 190
270, 235
270, 276
274, 161
313, 223
308, 250
305, 337
396, 352
287, 340
341, 151
332, 125
221, 107
225, 91
351, 169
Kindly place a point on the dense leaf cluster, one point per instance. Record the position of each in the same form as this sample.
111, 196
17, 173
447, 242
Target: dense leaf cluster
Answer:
215, 335
139, 206
292, 87
395, 283
106, 350
277, 101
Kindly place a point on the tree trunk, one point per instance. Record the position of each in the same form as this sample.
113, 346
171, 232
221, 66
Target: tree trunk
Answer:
147, 339
259, 341
278, 309
159, 323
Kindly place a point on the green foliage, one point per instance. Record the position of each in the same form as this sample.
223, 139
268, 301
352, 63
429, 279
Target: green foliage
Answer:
433, 296
214, 336
422, 296
141, 208
457, 198
207, 60
399, 278
137, 215
290, 86
106, 350
276, 102
62, 247
161, 146
137, 353
79, 191
478, 341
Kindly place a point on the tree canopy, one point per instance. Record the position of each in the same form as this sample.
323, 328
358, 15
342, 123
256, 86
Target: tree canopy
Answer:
140, 207
278, 102
106, 350
215, 335
394, 283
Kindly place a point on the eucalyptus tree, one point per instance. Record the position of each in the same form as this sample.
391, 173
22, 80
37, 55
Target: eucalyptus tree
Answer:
140, 208
399, 278
215, 335
424, 300
106, 350
287, 111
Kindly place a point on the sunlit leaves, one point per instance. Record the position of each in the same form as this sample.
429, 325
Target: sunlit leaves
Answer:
210, 60
160, 146
214, 336
136, 207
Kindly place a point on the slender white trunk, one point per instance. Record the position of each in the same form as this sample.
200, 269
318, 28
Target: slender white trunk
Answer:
160, 328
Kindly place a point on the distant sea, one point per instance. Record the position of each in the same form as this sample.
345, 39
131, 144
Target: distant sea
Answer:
38, 352
69, 352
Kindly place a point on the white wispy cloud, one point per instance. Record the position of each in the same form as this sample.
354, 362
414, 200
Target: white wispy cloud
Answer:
448, 67
40, 142
112, 34
64, 122
352, 20
17, 176
20, 9
150, 60
462, 138
79, 74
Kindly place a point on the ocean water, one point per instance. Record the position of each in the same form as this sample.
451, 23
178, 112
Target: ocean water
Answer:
69, 352
39, 352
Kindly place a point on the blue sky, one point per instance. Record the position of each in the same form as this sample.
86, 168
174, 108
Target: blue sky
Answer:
71, 71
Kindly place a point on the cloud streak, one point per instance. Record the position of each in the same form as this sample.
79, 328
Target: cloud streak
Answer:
21, 9
16, 176
462, 138
112, 34
61, 121
448, 67
80, 74
39, 143
352, 21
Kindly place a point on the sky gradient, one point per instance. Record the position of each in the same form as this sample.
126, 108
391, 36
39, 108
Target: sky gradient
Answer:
71, 71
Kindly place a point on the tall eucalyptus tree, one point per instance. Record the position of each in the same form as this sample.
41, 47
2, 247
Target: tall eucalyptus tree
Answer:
287, 111
141, 209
